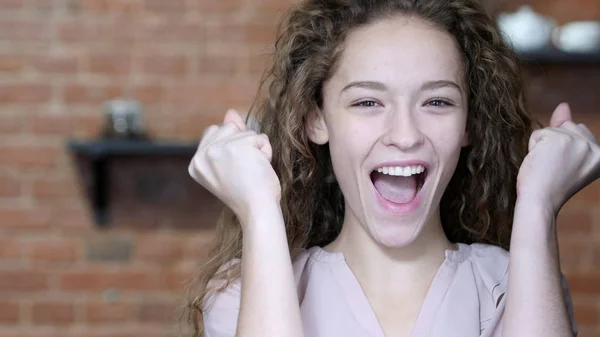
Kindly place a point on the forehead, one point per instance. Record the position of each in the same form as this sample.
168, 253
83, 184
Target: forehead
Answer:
400, 50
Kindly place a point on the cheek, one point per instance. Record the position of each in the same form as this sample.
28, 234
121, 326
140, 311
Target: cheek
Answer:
349, 147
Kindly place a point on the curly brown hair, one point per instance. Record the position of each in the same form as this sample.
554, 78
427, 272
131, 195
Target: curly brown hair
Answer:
478, 203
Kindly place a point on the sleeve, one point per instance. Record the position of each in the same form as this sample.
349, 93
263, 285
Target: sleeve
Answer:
496, 331
569, 300
221, 312
491, 265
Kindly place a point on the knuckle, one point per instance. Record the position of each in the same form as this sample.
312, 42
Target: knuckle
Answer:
209, 129
264, 137
212, 153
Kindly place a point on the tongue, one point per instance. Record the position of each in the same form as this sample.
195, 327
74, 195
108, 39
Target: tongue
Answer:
396, 189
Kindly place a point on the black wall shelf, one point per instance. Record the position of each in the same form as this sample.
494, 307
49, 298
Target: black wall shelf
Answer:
557, 56
100, 152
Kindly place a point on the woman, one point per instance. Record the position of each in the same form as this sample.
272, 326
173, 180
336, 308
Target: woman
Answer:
396, 160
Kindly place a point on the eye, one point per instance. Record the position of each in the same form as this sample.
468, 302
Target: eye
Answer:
439, 102
367, 104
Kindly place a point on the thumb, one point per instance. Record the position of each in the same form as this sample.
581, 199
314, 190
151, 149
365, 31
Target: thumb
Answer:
233, 117
560, 115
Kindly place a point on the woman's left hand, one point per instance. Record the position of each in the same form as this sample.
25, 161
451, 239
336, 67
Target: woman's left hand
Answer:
563, 158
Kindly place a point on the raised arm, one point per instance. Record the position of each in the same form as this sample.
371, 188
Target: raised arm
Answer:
234, 164
562, 159
269, 301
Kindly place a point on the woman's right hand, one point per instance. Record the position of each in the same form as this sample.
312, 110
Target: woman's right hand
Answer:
233, 163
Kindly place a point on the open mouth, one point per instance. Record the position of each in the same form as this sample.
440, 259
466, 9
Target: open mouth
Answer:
398, 184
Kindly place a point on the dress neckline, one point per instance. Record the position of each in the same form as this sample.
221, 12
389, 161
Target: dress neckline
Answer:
359, 303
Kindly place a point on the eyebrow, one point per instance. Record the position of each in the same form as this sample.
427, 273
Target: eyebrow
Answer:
439, 84
367, 85
431, 85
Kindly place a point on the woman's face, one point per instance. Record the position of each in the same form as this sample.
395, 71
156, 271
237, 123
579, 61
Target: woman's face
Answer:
394, 114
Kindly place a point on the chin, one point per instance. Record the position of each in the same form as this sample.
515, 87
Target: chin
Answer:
396, 235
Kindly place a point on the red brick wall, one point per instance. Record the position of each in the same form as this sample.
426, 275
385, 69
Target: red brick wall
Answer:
187, 61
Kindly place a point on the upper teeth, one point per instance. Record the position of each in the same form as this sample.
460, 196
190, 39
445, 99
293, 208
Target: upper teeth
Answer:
405, 171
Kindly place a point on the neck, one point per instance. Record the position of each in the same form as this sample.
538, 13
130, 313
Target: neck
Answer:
393, 268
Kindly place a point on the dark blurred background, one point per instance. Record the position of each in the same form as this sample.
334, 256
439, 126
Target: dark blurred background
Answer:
97, 237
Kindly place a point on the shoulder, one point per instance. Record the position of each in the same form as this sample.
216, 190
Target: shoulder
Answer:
489, 266
222, 304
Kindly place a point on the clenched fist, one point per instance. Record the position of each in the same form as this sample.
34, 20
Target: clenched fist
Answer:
234, 164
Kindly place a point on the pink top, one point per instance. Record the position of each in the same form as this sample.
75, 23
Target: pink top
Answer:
464, 300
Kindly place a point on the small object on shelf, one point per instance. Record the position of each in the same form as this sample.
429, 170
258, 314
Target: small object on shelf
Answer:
559, 57
526, 30
100, 152
578, 36
123, 120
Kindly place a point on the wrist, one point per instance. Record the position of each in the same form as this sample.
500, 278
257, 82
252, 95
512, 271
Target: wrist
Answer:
534, 224
261, 210
535, 209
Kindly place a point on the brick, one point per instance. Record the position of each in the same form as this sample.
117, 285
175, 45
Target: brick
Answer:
76, 93
25, 93
219, 94
23, 280
170, 32
588, 283
9, 187
98, 280
131, 330
158, 312
11, 248
219, 64
274, 5
113, 64
177, 277
164, 65
56, 64
30, 332
115, 33
219, 6
9, 312
51, 124
28, 156
586, 314
80, 31
226, 32
23, 219
571, 254
11, 63
596, 256
108, 248
55, 250
160, 6
589, 196
116, 6
47, 188
11, 123
53, 313
574, 222
261, 33
84, 126
11, 4
25, 31
259, 63
41, 6
159, 248
71, 219
105, 312
199, 246
148, 93
191, 126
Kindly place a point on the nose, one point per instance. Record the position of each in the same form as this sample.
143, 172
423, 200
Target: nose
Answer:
403, 130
